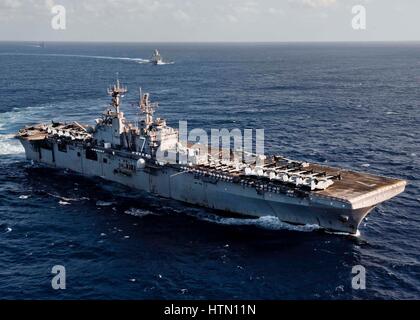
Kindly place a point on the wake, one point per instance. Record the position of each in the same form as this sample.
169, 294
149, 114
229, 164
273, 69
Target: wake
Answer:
9, 145
137, 60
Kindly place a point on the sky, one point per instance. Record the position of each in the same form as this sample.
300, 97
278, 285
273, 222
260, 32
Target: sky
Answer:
209, 20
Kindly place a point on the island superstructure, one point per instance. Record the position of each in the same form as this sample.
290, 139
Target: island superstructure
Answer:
150, 156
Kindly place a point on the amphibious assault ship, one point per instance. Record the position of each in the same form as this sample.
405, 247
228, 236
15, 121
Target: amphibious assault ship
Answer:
149, 155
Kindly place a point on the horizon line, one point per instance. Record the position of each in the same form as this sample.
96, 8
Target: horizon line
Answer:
215, 41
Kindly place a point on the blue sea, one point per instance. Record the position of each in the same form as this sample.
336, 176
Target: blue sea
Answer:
354, 105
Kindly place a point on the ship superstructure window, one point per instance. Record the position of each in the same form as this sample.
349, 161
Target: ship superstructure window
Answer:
91, 155
62, 147
105, 160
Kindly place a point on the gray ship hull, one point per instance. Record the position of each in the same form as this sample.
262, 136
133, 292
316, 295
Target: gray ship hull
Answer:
171, 182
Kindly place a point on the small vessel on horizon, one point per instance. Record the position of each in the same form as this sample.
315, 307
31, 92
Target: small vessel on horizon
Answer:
157, 58
40, 44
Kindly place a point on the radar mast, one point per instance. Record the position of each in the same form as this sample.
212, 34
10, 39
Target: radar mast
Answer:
116, 92
147, 107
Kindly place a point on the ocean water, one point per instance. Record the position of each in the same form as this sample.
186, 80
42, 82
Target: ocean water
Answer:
350, 105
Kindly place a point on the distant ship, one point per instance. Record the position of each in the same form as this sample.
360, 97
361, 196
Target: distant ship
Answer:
294, 191
157, 58
38, 45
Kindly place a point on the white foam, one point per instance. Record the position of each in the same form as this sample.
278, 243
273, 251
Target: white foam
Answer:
338, 233
141, 61
10, 122
138, 212
104, 203
163, 63
65, 199
265, 222
10, 145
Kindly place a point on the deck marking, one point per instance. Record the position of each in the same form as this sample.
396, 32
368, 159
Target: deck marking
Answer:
365, 184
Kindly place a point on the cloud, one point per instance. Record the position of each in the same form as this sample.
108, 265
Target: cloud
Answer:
248, 7
21, 10
10, 4
181, 15
49, 4
275, 11
231, 18
315, 3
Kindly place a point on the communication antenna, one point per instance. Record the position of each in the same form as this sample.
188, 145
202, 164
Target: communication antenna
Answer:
116, 92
